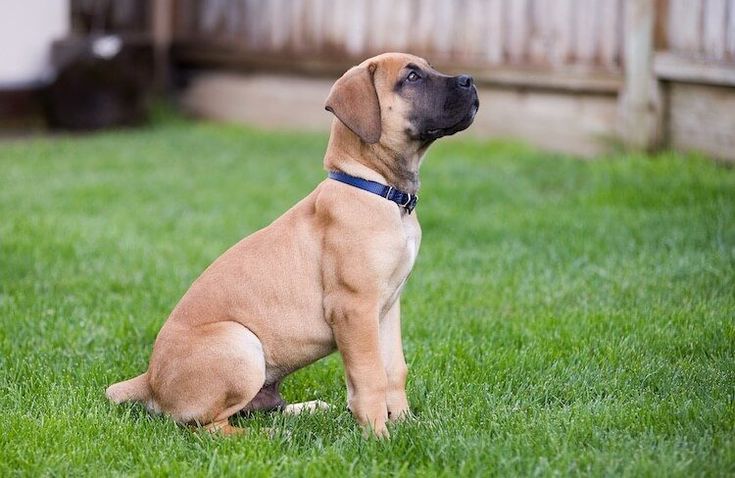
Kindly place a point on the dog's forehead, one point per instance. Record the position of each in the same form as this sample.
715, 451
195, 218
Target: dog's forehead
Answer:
391, 64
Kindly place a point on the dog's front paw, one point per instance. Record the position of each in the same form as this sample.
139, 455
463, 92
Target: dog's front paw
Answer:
372, 417
379, 431
375, 428
398, 415
398, 408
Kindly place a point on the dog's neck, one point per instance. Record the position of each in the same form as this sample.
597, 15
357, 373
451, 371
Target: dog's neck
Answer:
377, 162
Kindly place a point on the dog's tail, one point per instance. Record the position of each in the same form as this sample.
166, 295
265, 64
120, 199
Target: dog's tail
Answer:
134, 390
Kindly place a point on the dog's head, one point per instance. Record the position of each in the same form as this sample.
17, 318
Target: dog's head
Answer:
399, 99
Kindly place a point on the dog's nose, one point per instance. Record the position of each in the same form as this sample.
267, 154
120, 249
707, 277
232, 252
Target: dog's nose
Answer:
464, 81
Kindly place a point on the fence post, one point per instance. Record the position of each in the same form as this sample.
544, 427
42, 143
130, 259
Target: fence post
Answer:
161, 29
639, 101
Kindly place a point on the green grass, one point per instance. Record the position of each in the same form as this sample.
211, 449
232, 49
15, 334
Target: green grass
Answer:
564, 317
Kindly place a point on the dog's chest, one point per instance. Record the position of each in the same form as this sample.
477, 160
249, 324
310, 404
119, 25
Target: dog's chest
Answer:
412, 234
410, 242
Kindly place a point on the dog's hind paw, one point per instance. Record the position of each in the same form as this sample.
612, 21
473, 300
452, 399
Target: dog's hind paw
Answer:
309, 407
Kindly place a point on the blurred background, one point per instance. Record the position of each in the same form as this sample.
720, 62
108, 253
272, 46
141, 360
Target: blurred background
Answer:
577, 76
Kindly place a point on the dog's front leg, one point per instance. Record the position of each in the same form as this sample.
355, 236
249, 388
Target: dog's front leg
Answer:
395, 364
357, 334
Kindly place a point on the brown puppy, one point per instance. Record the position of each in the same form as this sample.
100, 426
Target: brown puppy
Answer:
326, 274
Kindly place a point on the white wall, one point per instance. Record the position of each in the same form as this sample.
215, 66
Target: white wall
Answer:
27, 28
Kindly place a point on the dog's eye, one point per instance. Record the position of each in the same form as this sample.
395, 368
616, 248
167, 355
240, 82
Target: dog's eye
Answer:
413, 76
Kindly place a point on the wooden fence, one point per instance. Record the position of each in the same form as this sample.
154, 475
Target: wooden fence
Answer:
548, 33
699, 29
572, 42
696, 41
557, 43
642, 53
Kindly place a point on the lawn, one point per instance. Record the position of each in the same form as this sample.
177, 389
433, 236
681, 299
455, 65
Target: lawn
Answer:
564, 317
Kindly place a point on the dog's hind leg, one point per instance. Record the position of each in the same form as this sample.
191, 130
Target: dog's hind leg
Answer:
223, 427
208, 375
310, 407
269, 399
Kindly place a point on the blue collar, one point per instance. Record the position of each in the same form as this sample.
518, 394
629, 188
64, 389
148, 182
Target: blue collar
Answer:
405, 200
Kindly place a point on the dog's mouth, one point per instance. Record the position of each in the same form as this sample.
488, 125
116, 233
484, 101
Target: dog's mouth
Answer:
464, 123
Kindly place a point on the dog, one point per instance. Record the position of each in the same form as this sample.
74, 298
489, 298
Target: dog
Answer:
326, 274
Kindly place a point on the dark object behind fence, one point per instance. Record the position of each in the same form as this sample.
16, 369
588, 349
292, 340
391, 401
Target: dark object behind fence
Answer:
102, 81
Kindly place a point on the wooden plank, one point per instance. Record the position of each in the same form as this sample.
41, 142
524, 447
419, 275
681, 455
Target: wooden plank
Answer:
562, 23
571, 123
495, 45
578, 124
701, 119
273, 101
262, 23
356, 33
542, 32
685, 19
335, 20
661, 25
587, 16
184, 14
473, 37
209, 15
392, 20
610, 33
574, 81
399, 23
422, 28
601, 83
298, 37
444, 12
250, 38
162, 33
673, 12
731, 30
640, 114
380, 34
714, 29
675, 67
162, 24
517, 18
279, 24
234, 21
518, 33
316, 21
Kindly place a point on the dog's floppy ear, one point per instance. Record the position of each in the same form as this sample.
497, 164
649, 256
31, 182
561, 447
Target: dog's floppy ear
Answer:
354, 101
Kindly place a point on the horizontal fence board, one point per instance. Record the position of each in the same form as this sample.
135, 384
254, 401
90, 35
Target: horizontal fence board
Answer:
673, 67
701, 119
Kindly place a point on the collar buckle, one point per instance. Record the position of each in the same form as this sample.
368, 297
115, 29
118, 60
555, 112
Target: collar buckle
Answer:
408, 200
411, 201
